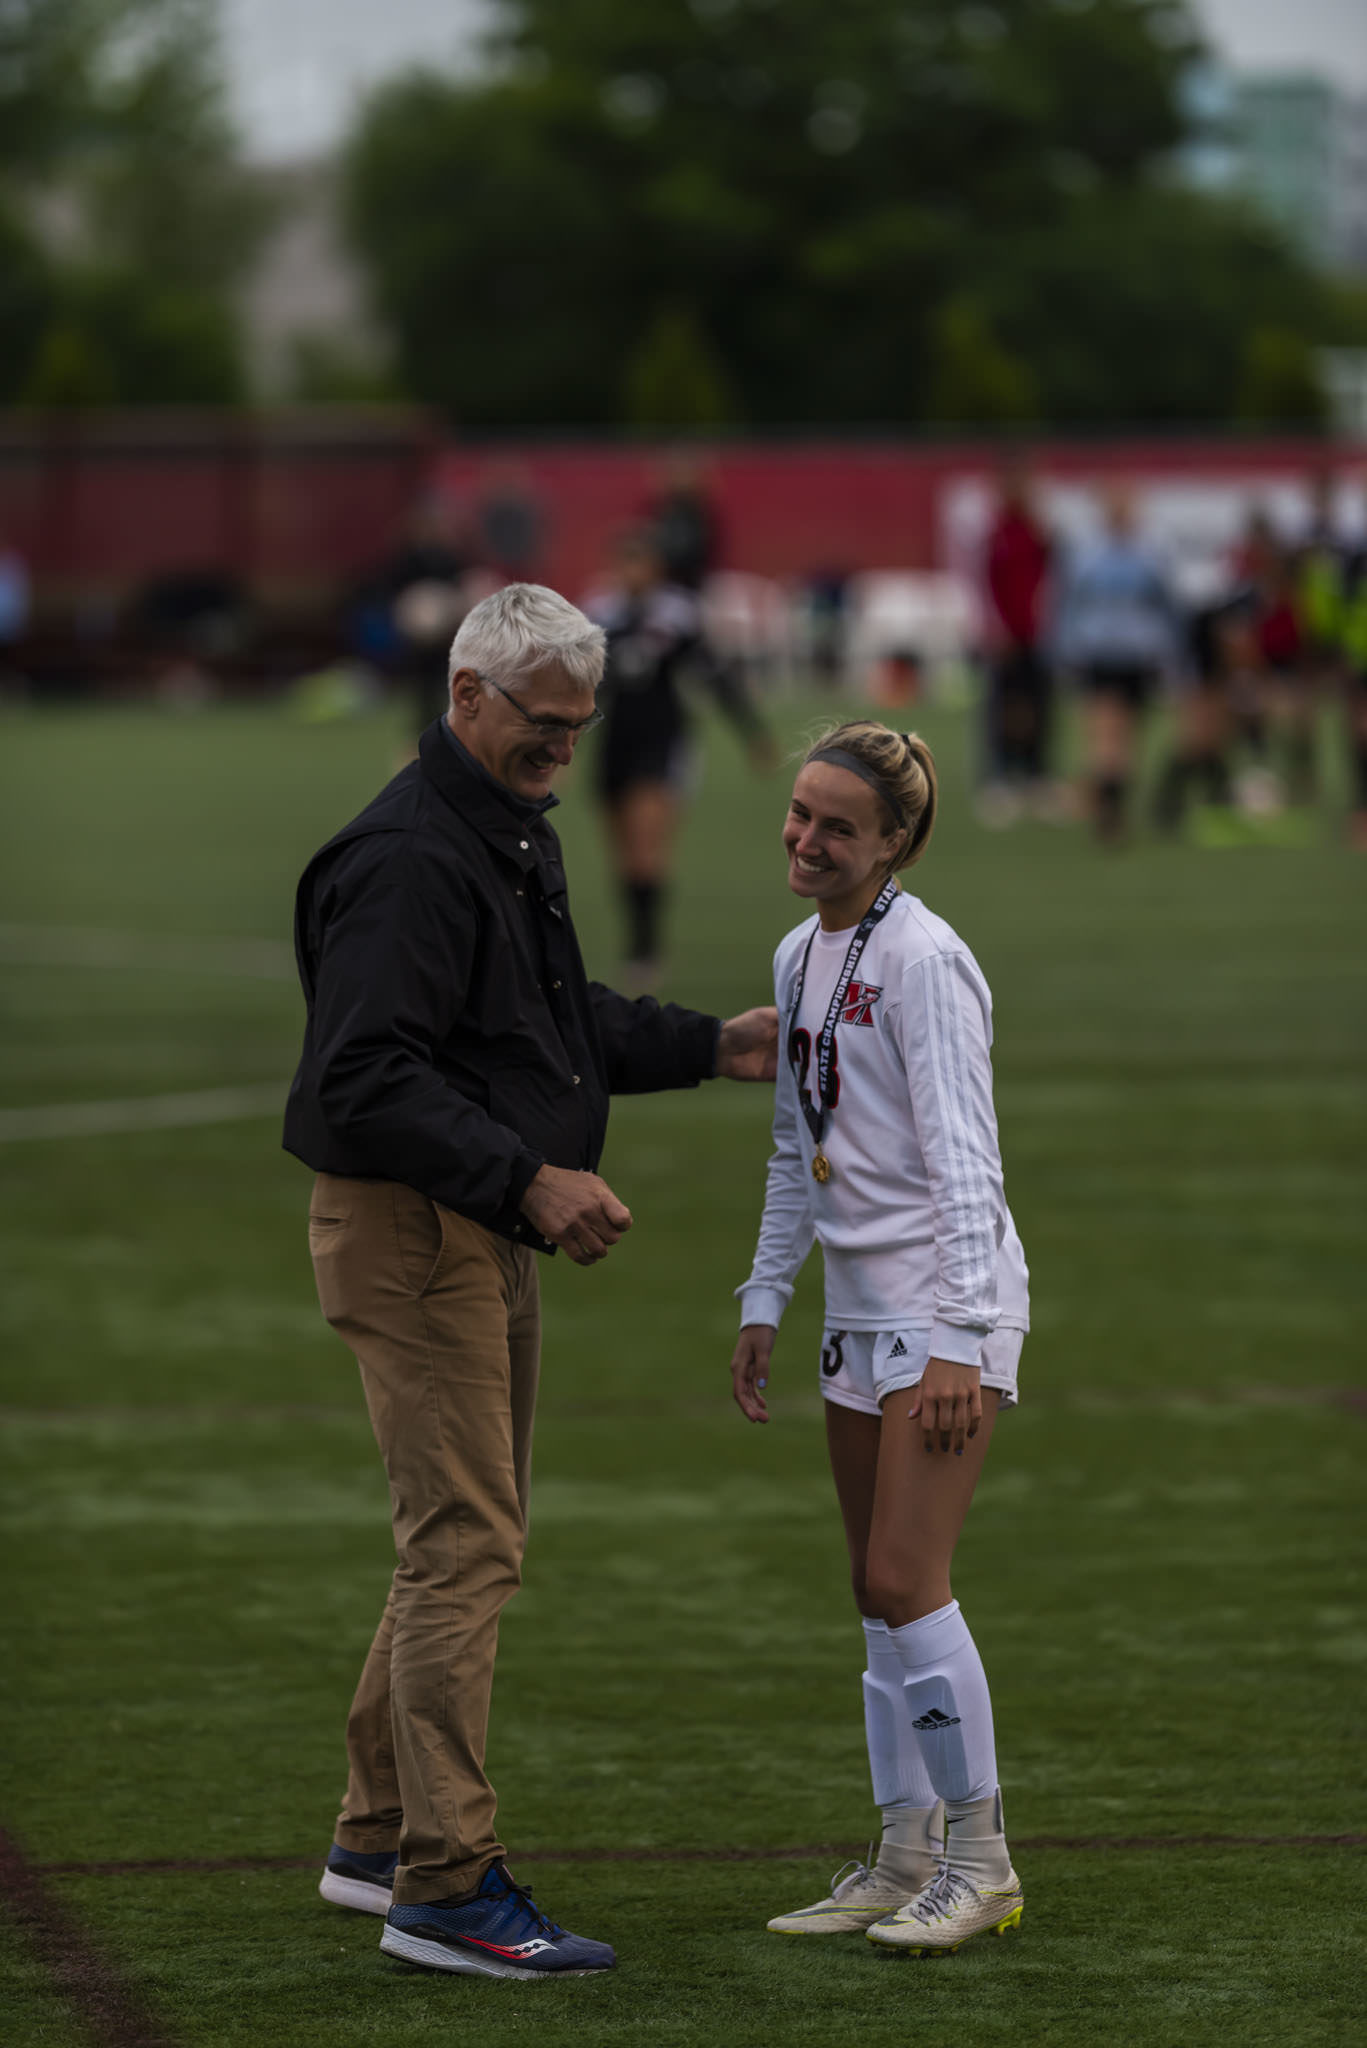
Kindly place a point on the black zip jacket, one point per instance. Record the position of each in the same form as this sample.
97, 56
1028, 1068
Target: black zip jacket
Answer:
453, 1040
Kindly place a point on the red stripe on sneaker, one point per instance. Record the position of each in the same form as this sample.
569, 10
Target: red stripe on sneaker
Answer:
524, 1948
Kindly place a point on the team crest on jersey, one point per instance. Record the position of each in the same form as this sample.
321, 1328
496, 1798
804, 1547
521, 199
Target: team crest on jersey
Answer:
860, 998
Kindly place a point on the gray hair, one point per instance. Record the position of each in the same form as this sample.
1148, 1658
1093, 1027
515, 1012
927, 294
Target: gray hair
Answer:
525, 627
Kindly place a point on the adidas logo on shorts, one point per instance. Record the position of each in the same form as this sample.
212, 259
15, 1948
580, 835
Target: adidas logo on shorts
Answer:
899, 1350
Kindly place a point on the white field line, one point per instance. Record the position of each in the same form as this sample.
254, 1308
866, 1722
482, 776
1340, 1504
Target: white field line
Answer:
41, 945
143, 1113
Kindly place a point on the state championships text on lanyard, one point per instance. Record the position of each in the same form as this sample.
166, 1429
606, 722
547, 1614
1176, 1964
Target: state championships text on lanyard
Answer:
825, 1045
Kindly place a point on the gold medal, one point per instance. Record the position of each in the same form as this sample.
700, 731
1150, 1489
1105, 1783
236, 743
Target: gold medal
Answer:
821, 1167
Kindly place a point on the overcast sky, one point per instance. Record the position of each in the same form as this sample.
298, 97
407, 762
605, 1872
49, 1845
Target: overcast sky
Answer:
297, 66
1313, 35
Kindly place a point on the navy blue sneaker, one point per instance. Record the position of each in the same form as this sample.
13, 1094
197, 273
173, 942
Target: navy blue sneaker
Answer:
353, 1878
500, 1932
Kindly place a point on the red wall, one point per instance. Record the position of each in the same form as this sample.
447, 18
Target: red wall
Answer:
298, 503
805, 506
292, 503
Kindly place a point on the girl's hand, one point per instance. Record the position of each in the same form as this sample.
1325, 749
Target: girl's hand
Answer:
750, 1369
949, 1402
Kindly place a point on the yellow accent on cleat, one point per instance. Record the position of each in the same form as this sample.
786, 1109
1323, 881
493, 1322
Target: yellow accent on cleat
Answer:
947, 1914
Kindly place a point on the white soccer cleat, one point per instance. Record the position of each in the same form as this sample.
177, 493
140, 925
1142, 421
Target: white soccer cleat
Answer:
947, 1913
856, 1901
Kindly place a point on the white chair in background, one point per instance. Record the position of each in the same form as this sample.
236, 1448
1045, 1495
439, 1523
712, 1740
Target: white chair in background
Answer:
900, 616
749, 619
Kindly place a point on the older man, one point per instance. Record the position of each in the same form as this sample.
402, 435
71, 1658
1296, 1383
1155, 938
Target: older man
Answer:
453, 1099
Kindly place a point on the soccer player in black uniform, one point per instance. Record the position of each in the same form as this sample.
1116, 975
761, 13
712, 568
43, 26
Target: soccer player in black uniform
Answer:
655, 643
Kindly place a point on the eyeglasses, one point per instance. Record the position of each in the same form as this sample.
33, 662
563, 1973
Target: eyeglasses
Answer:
549, 728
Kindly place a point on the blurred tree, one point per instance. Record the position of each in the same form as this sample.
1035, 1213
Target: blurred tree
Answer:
972, 376
889, 210
326, 370
25, 298
70, 369
49, 56
122, 201
1136, 309
674, 379
1279, 384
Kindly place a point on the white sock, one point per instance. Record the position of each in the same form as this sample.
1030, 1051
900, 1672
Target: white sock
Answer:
950, 1709
913, 1819
975, 1844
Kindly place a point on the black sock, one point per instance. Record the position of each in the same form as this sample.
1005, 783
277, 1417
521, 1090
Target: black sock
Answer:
1170, 797
1110, 806
1300, 766
642, 901
1253, 727
1360, 774
1214, 769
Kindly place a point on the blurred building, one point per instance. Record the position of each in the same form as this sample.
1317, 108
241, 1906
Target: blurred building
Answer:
297, 68
1301, 146
1294, 143
305, 309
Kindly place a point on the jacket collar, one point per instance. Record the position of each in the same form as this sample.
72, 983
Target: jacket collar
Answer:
512, 827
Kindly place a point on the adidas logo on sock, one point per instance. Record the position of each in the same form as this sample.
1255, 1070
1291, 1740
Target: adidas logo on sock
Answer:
899, 1350
935, 1719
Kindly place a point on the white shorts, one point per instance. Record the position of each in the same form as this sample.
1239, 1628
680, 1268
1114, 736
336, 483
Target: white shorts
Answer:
860, 1368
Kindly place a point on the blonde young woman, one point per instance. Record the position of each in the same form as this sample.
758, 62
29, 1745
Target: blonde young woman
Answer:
886, 1153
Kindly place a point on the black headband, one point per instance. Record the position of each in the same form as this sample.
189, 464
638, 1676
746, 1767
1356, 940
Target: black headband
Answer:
840, 758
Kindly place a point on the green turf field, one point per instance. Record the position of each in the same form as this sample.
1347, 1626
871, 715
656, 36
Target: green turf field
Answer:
1159, 1569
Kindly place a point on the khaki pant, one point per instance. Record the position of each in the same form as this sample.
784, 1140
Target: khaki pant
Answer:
445, 1321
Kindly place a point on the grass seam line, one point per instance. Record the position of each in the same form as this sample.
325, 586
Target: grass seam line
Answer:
215, 1866
110, 2009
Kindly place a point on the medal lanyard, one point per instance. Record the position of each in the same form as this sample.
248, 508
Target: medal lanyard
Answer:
876, 912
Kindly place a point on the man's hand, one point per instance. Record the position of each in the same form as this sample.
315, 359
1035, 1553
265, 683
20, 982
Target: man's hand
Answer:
575, 1210
747, 1049
750, 1369
949, 1401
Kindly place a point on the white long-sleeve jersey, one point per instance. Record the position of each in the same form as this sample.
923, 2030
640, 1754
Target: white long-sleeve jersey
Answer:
913, 1223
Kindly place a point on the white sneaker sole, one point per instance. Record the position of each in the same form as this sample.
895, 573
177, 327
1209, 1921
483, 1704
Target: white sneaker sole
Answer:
920, 1946
340, 1890
437, 1955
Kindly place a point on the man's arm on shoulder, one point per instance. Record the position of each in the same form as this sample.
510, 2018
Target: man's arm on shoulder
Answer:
649, 1045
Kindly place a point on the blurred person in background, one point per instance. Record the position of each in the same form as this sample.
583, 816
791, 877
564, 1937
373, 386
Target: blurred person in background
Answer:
419, 596
1292, 673
1221, 645
452, 1099
826, 592
886, 1153
1322, 561
16, 603
655, 642
1020, 688
510, 525
1118, 628
1327, 575
191, 625
1351, 639
1223, 708
1332, 587
683, 519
